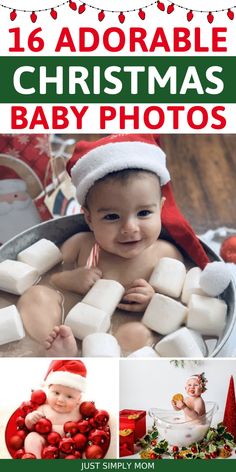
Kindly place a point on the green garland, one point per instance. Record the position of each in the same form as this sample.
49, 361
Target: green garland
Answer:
218, 443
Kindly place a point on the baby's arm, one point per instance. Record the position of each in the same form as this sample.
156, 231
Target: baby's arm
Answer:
194, 409
32, 418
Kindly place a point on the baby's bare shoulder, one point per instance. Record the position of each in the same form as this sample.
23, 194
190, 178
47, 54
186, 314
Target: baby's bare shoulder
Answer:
72, 246
167, 249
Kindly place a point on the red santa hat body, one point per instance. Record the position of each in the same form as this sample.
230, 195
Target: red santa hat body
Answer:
70, 373
92, 161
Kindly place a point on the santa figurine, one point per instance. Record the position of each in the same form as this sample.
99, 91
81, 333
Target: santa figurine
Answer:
17, 210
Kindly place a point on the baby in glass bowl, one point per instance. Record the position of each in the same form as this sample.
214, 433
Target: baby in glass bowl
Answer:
193, 405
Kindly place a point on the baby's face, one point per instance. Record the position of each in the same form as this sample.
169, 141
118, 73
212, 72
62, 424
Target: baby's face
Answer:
193, 388
125, 216
63, 399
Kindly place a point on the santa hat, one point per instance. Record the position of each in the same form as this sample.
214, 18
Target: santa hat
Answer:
70, 373
10, 181
92, 161
201, 378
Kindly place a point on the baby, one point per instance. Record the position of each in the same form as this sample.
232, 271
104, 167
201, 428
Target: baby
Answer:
193, 405
65, 381
122, 184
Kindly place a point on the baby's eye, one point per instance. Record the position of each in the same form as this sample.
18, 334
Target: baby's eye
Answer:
111, 217
69, 397
143, 213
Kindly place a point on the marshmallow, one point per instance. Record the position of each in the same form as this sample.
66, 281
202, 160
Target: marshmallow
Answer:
207, 315
16, 277
105, 295
191, 285
11, 326
145, 351
43, 255
164, 314
100, 345
182, 343
168, 277
85, 319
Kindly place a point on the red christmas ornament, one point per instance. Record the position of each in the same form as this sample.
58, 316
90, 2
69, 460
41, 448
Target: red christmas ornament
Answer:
81, 9
70, 427
210, 17
53, 438
25, 408
33, 17
121, 17
67, 445
83, 426
43, 426
71, 456
22, 434
72, 5
20, 422
53, 14
229, 420
230, 14
98, 437
93, 452
228, 249
101, 15
87, 409
39, 397
190, 15
80, 441
50, 452
28, 455
16, 442
170, 8
13, 15
19, 454
141, 14
101, 417
161, 6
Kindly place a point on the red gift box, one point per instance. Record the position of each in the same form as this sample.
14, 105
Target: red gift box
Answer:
136, 420
126, 438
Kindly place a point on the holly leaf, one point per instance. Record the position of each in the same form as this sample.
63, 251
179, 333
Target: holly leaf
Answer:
212, 448
228, 436
201, 455
154, 435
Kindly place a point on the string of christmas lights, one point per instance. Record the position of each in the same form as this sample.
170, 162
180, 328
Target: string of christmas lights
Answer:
166, 6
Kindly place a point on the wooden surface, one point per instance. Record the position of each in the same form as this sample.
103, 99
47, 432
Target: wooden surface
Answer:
203, 172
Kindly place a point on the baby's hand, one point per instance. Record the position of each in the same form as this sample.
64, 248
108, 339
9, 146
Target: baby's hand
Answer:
32, 418
179, 405
137, 296
79, 280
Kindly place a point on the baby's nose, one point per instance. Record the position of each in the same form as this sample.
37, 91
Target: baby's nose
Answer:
129, 226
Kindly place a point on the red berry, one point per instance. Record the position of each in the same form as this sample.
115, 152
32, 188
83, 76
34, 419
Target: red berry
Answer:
159, 456
154, 442
207, 456
87, 409
227, 447
153, 455
43, 426
194, 449
39, 397
71, 427
94, 452
80, 441
28, 455
175, 449
53, 438
214, 455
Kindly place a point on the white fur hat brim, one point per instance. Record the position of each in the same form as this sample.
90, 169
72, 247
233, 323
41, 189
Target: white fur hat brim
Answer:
113, 157
68, 379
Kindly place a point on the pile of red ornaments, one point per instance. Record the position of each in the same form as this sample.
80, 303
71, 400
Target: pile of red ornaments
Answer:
89, 437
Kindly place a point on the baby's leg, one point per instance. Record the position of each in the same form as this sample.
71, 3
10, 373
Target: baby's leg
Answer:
61, 342
40, 308
34, 443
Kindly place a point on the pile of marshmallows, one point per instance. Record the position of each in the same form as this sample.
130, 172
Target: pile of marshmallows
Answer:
203, 315
90, 319
16, 276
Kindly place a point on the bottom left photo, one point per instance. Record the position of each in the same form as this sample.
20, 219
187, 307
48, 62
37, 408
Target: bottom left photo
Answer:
58, 408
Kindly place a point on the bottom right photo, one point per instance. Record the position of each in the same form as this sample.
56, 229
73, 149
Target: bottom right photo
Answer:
177, 409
